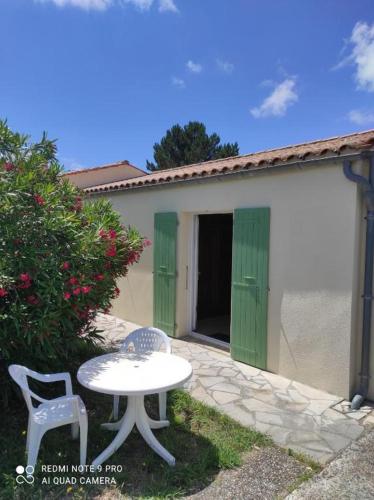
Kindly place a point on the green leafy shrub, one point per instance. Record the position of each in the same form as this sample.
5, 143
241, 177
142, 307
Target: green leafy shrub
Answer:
60, 257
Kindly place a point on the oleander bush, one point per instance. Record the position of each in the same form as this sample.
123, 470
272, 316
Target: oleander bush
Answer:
60, 257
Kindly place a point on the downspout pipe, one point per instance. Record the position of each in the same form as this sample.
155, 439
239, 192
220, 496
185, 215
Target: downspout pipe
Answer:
367, 185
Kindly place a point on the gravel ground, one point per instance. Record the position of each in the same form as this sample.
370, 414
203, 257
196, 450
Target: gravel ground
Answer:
265, 475
349, 477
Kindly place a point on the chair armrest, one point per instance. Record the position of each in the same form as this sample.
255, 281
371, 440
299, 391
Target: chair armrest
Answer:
23, 385
35, 396
54, 377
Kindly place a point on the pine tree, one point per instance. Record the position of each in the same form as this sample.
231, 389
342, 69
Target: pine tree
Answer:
189, 144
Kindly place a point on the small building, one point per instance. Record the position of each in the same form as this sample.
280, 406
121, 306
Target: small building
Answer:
262, 253
112, 172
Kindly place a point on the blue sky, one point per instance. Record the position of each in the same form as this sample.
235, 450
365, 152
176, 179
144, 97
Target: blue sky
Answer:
107, 78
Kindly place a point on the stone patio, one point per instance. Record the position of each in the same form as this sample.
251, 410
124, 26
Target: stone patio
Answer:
294, 415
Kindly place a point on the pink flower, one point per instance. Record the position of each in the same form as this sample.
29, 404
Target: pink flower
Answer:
32, 299
39, 199
86, 289
3, 292
26, 284
67, 295
147, 243
77, 291
112, 234
102, 234
9, 166
99, 277
133, 257
78, 204
65, 265
111, 251
26, 281
73, 280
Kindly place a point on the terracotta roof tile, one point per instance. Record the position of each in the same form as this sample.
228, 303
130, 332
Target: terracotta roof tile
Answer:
261, 160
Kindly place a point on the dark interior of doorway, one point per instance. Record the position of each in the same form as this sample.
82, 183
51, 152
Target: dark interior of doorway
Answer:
214, 276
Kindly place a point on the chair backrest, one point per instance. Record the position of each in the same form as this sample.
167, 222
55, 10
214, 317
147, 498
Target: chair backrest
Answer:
19, 374
145, 340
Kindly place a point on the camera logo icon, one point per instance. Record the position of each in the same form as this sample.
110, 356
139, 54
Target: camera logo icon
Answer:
28, 477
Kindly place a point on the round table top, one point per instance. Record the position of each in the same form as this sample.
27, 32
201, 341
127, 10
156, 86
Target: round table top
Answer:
124, 373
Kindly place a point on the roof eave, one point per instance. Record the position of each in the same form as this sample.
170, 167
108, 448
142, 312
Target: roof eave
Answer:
231, 173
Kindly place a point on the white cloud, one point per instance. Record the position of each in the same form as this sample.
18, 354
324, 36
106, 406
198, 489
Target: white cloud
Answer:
82, 4
268, 83
167, 6
225, 66
142, 5
71, 164
194, 67
276, 104
362, 55
178, 82
361, 117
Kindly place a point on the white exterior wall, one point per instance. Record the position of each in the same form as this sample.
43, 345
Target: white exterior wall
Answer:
313, 272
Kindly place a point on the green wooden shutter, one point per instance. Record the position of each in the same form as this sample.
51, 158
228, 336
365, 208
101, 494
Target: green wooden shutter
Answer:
250, 286
165, 271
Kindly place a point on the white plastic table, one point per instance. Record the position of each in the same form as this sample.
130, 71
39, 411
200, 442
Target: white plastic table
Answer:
134, 376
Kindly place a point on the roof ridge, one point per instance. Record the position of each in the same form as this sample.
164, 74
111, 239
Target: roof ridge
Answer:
218, 160
106, 165
357, 141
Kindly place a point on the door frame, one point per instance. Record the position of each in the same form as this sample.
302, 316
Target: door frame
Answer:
192, 279
193, 272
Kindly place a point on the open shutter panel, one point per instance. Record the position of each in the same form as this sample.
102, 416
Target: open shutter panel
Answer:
164, 278
250, 286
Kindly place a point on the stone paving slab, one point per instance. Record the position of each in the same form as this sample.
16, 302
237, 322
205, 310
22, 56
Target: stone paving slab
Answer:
350, 476
294, 415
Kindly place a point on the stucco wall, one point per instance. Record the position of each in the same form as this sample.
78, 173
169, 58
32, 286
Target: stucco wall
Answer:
313, 255
97, 176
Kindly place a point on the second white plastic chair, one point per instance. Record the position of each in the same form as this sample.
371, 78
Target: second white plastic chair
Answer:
142, 341
51, 413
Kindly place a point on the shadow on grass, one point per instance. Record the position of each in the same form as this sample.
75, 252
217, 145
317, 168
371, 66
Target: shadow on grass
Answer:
202, 440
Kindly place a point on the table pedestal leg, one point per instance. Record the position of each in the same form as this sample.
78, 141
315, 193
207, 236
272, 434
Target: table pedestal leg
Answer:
144, 424
135, 415
127, 423
157, 424
153, 424
113, 426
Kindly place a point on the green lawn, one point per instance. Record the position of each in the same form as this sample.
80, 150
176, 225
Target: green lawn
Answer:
202, 440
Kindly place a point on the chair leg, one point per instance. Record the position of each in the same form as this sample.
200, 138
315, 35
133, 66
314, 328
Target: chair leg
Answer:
74, 430
36, 434
115, 407
162, 405
83, 424
28, 435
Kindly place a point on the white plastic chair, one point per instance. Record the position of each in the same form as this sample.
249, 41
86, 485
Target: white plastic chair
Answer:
50, 413
143, 341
